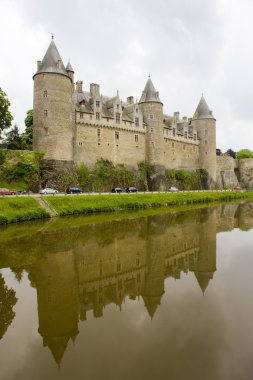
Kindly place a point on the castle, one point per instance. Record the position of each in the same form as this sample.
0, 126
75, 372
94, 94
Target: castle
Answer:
74, 126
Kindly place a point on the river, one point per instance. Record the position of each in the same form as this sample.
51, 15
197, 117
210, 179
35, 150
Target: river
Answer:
146, 295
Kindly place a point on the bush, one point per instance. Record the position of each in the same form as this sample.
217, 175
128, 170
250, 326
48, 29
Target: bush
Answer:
244, 153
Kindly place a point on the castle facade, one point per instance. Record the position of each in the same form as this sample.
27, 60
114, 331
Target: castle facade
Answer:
74, 125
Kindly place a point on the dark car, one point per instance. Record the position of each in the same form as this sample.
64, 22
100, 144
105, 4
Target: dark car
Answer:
4, 191
117, 190
131, 189
74, 190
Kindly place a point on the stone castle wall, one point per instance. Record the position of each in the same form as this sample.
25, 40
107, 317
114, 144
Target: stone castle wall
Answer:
245, 168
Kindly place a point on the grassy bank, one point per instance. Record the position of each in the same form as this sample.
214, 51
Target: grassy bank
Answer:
86, 204
19, 209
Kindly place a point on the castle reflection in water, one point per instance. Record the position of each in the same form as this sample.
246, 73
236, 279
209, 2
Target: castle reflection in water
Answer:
86, 268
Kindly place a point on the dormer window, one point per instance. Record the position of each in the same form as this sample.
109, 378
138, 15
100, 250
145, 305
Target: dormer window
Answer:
137, 122
81, 115
174, 132
97, 103
45, 94
117, 106
82, 103
185, 135
118, 118
195, 137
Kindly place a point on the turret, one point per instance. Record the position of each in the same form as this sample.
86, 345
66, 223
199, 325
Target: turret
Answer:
52, 108
152, 109
71, 73
206, 126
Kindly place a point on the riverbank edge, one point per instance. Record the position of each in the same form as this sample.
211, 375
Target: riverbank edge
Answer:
90, 204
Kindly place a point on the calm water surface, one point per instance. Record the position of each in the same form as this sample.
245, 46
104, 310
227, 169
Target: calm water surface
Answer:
165, 296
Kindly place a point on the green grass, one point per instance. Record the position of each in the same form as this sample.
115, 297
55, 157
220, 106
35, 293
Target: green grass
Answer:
20, 186
86, 204
19, 209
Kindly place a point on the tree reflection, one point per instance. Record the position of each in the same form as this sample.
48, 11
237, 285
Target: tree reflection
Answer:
7, 301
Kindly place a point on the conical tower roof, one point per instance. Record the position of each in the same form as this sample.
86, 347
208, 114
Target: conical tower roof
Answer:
69, 67
52, 62
57, 346
203, 111
149, 93
152, 303
203, 279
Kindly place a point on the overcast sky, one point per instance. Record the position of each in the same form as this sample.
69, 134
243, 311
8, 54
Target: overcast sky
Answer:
188, 46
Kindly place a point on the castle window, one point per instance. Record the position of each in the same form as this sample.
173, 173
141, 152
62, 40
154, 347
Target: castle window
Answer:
151, 129
118, 118
136, 138
173, 145
137, 122
98, 133
174, 132
195, 137
45, 112
184, 147
46, 132
167, 131
97, 103
206, 153
136, 110
91, 117
151, 117
81, 115
116, 135
97, 116
117, 106
45, 94
185, 135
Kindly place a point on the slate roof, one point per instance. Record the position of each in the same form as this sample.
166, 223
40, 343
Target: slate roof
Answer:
69, 67
203, 111
149, 93
52, 62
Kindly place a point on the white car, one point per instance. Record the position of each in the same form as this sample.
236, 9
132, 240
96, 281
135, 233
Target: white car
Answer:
48, 190
173, 189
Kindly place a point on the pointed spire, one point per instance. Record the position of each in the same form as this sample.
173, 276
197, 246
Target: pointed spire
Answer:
150, 94
203, 111
52, 62
203, 279
69, 67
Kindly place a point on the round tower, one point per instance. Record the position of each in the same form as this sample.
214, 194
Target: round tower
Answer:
206, 126
152, 109
52, 107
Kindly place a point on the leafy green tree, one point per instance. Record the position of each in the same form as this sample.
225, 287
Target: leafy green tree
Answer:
13, 139
7, 301
27, 136
5, 114
145, 170
244, 153
103, 175
83, 176
2, 156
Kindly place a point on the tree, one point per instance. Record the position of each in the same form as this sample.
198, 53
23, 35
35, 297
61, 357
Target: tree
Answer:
244, 153
27, 136
145, 170
13, 139
231, 153
5, 115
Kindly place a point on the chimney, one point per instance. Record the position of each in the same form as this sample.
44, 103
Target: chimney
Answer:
176, 116
79, 86
38, 65
94, 89
130, 100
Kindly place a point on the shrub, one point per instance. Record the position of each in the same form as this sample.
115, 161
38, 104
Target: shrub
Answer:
244, 153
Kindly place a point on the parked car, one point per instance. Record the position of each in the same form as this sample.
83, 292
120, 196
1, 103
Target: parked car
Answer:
74, 190
131, 189
4, 191
117, 190
173, 189
48, 190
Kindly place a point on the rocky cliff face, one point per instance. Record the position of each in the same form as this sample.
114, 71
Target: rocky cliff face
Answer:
226, 177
